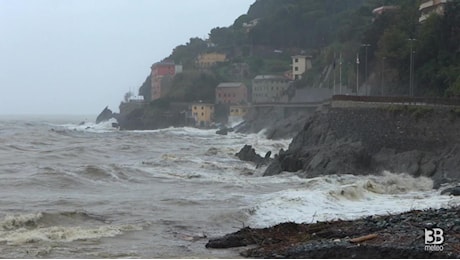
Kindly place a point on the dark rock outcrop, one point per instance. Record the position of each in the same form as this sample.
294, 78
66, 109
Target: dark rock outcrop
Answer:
224, 131
279, 123
370, 140
247, 153
455, 191
105, 115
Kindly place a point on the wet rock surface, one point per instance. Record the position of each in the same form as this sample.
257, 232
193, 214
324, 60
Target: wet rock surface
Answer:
105, 115
247, 153
391, 236
417, 141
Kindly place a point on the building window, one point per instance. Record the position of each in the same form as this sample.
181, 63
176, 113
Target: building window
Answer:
202, 113
194, 107
296, 68
296, 60
202, 108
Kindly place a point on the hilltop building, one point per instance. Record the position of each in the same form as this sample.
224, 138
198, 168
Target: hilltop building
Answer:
270, 88
231, 93
429, 7
250, 25
203, 114
161, 76
385, 8
207, 60
300, 64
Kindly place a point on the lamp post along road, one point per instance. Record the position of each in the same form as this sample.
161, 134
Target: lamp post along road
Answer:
411, 68
357, 73
383, 76
340, 72
365, 45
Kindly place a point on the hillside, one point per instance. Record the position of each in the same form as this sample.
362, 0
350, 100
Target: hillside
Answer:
335, 33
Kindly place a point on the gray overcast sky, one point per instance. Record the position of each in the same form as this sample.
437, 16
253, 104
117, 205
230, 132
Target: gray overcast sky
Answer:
77, 56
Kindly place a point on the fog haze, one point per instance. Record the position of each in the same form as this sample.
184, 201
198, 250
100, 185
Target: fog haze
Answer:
78, 56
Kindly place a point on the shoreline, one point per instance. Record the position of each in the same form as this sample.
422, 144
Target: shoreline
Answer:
390, 236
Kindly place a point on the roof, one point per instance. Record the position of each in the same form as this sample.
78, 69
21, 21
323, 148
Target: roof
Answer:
230, 85
302, 56
260, 77
311, 95
163, 63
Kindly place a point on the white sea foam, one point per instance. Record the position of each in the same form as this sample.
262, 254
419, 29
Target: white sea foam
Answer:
102, 127
347, 197
58, 227
62, 234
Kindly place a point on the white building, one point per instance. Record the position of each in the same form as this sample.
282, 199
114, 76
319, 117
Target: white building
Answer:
300, 64
428, 7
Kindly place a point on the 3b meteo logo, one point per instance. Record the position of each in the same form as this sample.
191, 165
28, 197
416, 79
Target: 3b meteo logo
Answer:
434, 238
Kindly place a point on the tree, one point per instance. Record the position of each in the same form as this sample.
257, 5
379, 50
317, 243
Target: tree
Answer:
146, 89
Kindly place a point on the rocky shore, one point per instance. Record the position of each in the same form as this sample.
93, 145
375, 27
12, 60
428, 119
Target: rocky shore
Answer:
392, 236
420, 141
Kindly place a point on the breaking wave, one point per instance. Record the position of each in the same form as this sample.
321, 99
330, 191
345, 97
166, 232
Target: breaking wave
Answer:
58, 227
347, 197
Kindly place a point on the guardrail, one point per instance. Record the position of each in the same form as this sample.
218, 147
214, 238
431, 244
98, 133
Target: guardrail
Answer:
399, 100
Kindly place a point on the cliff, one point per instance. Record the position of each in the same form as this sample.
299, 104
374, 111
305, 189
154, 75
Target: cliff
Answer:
420, 141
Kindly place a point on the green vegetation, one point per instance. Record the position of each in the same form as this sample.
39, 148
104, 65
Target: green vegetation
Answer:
263, 40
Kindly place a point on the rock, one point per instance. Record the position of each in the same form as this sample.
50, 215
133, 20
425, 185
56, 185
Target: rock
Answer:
247, 153
105, 115
391, 236
369, 141
455, 191
223, 131
240, 238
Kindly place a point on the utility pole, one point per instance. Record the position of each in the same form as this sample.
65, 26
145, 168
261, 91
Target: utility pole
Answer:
340, 72
365, 45
411, 68
383, 76
357, 73
333, 65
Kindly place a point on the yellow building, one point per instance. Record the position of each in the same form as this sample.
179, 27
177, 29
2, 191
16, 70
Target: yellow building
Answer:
207, 60
238, 111
203, 114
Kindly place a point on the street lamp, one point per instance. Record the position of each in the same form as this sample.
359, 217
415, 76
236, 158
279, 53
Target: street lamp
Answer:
365, 45
411, 68
340, 72
357, 73
383, 76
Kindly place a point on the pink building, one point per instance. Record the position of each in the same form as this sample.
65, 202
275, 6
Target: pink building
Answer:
231, 93
161, 73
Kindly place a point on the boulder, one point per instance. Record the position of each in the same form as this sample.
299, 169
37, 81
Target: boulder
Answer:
105, 115
247, 153
368, 141
223, 131
455, 191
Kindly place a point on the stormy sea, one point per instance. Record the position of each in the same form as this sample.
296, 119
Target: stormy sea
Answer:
71, 190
